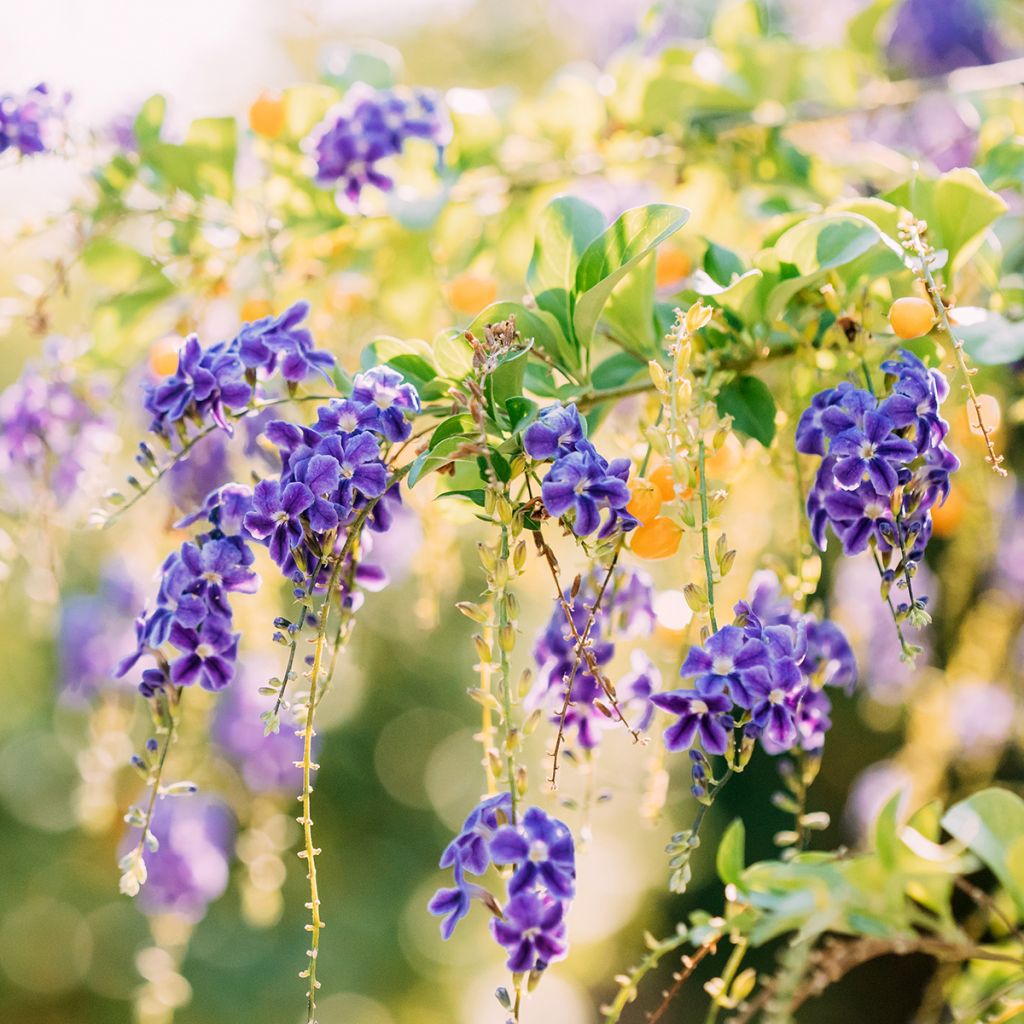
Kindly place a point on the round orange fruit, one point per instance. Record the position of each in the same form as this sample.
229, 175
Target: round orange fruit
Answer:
469, 292
163, 356
657, 539
663, 479
671, 266
911, 317
646, 499
266, 115
254, 309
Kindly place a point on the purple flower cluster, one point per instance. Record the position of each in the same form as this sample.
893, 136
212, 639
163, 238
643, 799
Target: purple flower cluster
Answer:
626, 610
581, 482
766, 675
369, 126
49, 436
330, 471
192, 613
885, 463
540, 850
31, 122
218, 382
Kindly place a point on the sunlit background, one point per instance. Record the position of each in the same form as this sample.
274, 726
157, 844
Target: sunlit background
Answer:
399, 762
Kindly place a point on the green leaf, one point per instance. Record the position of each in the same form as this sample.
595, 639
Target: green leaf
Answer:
521, 412
729, 859
566, 227
118, 266
989, 337
459, 424
629, 311
614, 253
507, 380
149, 121
414, 369
212, 142
991, 824
750, 403
958, 207
617, 370
440, 455
721, 264
453, 355
826, 241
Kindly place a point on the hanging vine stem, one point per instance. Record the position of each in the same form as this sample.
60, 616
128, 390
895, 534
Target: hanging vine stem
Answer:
912, 234
582, 644
909, 652
629, 984
134, 864
142, 489
709, 574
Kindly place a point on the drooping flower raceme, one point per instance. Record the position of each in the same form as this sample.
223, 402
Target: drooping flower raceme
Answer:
885, 463
763, 677
626, 610
530, 926
581, 483
368, 127
32, 122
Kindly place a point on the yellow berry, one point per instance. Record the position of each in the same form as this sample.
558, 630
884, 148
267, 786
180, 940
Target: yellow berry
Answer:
911, 317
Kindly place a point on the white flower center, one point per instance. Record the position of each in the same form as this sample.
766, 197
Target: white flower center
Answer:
280, 516
776, 696
204, 651
384, 399
867, 450
212, 577
722, 666
698, 707
874, 510
538, 851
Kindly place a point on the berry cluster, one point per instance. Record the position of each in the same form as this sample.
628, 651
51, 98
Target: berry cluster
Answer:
32, 122
764, 675
581, 482
367, 127
885, 463
627, 611
540, 851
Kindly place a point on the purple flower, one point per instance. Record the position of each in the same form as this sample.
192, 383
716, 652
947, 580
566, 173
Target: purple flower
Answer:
471, 847
276, 515
208, 654
773, 703
811, 436
541, 848
218, 569
272, 341
812, 719
225, 508
206, 383
578, 483
870, 454
32, 122
190, 867
532, 930
385, 397
729, 660
361, 469
860, 516
829, 655
367, 127
202, 471
452, 904
702, 715
556, 432
930, 39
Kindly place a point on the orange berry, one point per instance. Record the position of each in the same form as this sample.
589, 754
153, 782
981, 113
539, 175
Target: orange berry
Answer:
163, 356
724, 463
911, 317
657, 539
947, 517
671, 266
646, 499
663, 479
469, 292
254, 309
266, 115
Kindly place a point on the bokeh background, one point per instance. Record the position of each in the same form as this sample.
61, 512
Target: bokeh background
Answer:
399, 763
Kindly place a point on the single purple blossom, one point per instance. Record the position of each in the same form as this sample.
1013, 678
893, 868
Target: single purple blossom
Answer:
541, 848
208, 654
532, 930
276, 513
702, 715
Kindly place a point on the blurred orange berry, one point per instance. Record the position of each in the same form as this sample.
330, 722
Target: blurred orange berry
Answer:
657, 539
911, 317
671, 265
254, 309
947, 517
470, 293
646, 499
662, 479
724, 463
163, 356
266, 115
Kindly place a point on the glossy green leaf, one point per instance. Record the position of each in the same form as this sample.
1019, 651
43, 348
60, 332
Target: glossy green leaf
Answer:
614, 253
729, 859
991, 825
750, 403
989, 337
534, 325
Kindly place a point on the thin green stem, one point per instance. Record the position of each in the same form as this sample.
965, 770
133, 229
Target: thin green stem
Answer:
731, 967
505, 672
705, 542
